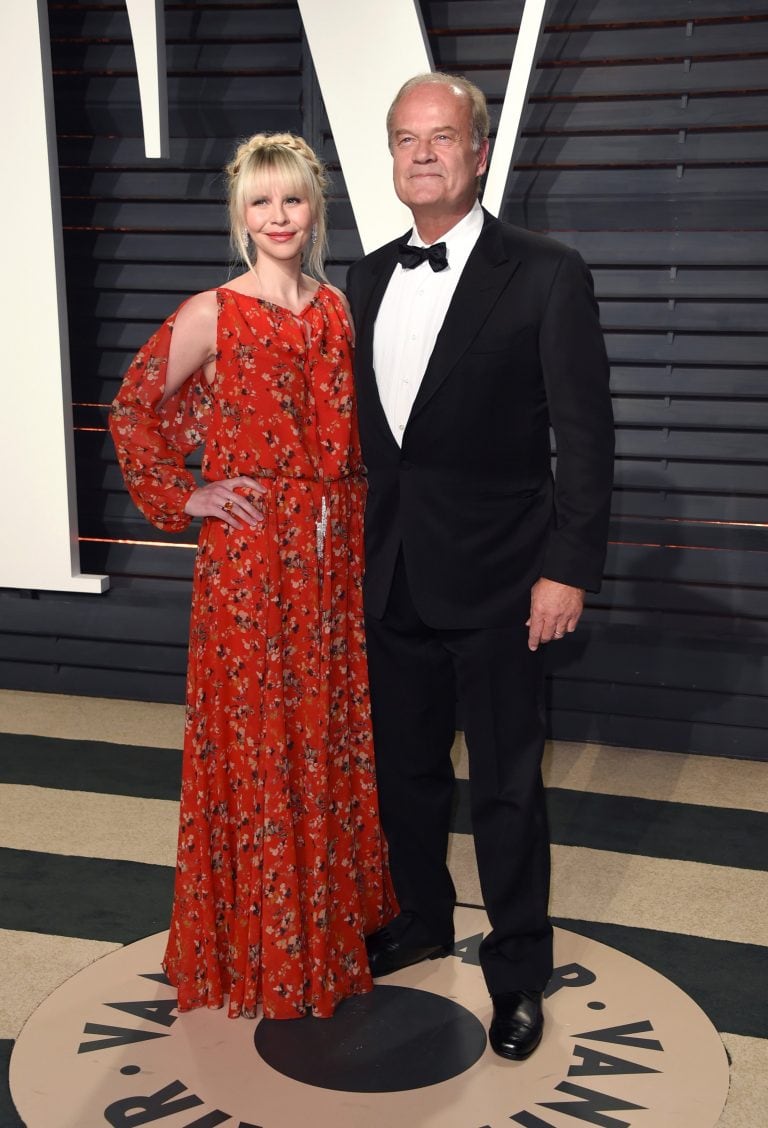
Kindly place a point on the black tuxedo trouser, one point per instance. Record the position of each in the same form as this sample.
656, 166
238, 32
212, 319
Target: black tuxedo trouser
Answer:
416, 673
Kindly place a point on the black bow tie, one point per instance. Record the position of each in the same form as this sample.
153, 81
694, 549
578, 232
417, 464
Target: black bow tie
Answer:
411, 256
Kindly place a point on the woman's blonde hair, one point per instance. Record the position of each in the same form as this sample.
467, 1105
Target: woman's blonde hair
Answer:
290, 159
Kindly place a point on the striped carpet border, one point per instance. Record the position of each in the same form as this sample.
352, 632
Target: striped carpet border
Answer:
625, 824
120, 901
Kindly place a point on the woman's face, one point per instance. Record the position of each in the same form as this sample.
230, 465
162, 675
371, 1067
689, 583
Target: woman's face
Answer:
279, 219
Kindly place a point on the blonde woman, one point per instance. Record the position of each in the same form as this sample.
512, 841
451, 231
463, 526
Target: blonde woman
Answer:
281, 864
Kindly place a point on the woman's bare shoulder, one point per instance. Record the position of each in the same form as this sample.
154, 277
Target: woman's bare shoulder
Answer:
197, 312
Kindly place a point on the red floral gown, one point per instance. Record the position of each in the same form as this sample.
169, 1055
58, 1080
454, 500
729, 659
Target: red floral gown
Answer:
281, 864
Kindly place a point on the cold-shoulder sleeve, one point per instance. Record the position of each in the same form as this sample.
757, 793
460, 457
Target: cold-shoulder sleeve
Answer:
151, 441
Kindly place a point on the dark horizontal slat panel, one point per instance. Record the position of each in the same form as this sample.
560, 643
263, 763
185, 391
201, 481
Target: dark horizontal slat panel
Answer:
131, 305
228, 91
192, 216
139, 247
75, 114
93, 682
747, 415
678, 285
117, 655
205, 22
729, 315
278, 53
132, 526
593, 212
699, 112
660, 183
746, 539
128, 152
698, 446
99, 509
127, 614
454, 14
711, 603
644, 656
668, 248
664, 473
675, 705
621, 46
690, 507
726, 383
708, 149
173, 561
686, 348
173, 277
156, 182
568, 83
726, 37
725, 627
663, 561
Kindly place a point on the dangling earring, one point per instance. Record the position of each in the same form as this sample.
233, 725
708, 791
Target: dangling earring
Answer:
314, 232
246, 235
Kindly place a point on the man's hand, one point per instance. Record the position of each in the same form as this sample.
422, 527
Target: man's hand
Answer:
555, 609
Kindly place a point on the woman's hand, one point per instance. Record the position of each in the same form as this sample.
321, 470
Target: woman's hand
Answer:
220, 499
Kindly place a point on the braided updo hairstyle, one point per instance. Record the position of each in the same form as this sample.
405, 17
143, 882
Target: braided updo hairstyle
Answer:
290, 159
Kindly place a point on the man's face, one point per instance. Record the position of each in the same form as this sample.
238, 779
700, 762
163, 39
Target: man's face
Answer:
435, 167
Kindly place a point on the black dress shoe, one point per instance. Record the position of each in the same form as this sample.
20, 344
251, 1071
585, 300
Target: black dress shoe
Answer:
517, 1024
388, 952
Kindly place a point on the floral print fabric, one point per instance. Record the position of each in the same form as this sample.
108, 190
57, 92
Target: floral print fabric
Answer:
281, 867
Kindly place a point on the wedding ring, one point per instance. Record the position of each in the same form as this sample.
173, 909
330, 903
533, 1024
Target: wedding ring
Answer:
227, 505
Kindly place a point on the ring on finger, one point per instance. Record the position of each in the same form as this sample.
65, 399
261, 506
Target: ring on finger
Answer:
227, 505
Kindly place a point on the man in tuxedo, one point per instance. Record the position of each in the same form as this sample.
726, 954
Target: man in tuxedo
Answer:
473, 338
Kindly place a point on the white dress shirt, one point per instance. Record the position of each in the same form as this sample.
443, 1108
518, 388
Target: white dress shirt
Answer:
410, 317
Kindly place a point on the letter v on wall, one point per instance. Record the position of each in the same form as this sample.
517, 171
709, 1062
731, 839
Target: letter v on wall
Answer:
362, 56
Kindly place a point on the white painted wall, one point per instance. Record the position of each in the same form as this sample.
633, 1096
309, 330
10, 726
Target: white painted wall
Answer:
37, 483
363, 51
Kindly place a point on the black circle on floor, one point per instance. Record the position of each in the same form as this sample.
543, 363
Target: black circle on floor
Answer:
394, 1038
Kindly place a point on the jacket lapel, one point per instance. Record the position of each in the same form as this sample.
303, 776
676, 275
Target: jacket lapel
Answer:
484, 278
366, 376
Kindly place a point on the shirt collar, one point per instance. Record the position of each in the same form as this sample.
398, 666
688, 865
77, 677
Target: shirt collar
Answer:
462, 233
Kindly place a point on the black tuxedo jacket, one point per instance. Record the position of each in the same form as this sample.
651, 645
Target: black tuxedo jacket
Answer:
470, 496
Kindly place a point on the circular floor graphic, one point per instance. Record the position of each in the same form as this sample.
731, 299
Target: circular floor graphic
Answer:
623, 1048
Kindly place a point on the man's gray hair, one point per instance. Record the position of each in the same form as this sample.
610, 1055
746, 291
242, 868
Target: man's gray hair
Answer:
477, 105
